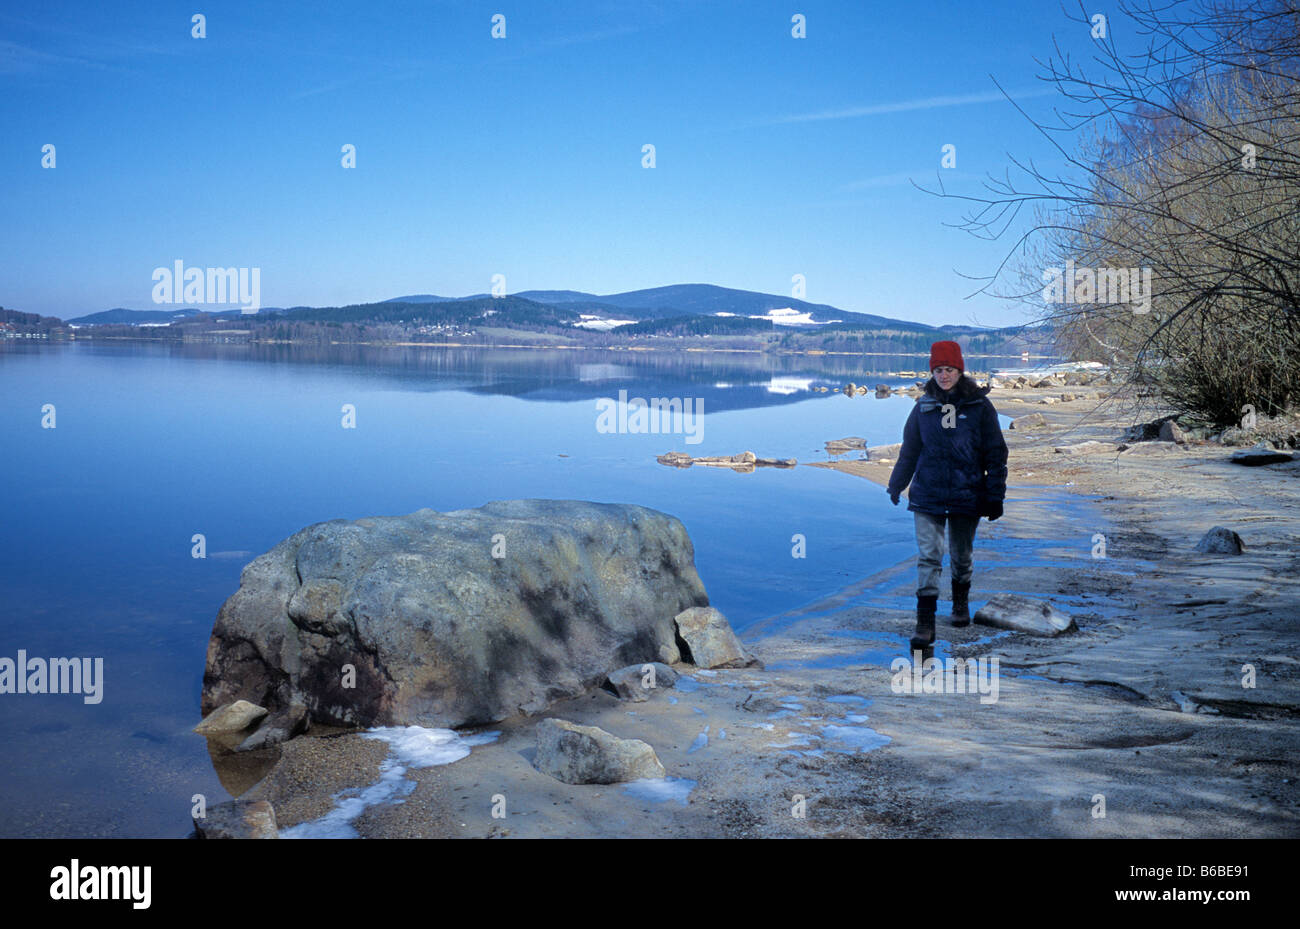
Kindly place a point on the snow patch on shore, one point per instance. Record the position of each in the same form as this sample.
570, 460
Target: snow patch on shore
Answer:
409, 747
661, 789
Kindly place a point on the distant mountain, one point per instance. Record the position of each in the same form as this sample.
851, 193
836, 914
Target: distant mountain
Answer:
559, 296
491, 311
691, 300
560, 307
120, 316
426, 298
708, 300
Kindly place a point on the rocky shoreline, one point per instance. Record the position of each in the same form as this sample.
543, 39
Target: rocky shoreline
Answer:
1137, 724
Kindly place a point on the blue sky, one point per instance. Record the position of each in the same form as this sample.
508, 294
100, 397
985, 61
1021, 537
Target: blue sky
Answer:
518, 156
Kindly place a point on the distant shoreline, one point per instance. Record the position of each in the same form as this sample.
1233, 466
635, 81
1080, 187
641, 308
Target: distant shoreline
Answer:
695, 349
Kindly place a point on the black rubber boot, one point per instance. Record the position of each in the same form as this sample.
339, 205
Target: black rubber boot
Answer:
924, 635
960, 604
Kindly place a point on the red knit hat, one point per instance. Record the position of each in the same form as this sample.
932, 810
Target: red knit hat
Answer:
946, 353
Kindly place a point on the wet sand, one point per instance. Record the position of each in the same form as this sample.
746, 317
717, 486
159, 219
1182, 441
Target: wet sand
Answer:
1141, 714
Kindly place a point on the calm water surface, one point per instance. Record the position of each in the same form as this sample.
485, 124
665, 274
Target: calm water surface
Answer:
245, 444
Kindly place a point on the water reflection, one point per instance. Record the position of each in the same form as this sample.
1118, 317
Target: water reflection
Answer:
726, 380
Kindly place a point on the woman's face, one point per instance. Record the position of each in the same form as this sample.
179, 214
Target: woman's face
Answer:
946, 377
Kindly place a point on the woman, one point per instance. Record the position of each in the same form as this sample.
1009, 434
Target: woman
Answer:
955, 458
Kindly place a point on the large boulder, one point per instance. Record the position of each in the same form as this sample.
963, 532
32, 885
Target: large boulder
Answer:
587, 755
453, 619
1024, 614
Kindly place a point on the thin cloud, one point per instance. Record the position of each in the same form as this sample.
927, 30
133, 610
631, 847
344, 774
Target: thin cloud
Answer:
15, 58
880, 180
898, 180
528, 49
521, 49
71, 48
905, 106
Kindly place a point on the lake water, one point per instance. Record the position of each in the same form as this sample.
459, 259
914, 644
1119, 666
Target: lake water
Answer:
245, 444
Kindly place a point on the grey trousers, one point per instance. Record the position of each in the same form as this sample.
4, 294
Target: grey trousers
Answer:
929, 542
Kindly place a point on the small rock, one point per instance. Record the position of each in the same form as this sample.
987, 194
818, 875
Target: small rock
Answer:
1024, 614
1029, 421
1067, 398
884, 452
709, 639
848, 444
1260, 454
1170, 432
850, 389
1150, 448
1048, 400
676, 459
276, 728
587, 755
238, 819
231, 717
1145, 432
1082, 448
1185, 703
1220, 541
637, 681
996, 382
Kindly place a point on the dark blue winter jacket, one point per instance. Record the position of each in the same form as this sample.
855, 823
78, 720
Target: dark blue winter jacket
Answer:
953, 452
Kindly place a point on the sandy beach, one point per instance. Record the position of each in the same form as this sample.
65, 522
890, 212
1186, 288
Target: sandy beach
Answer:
1137, 725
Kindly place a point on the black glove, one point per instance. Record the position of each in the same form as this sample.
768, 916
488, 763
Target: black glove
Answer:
992, 509
893, 498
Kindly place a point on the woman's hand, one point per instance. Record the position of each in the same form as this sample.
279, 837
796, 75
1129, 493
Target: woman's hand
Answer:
992, 509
